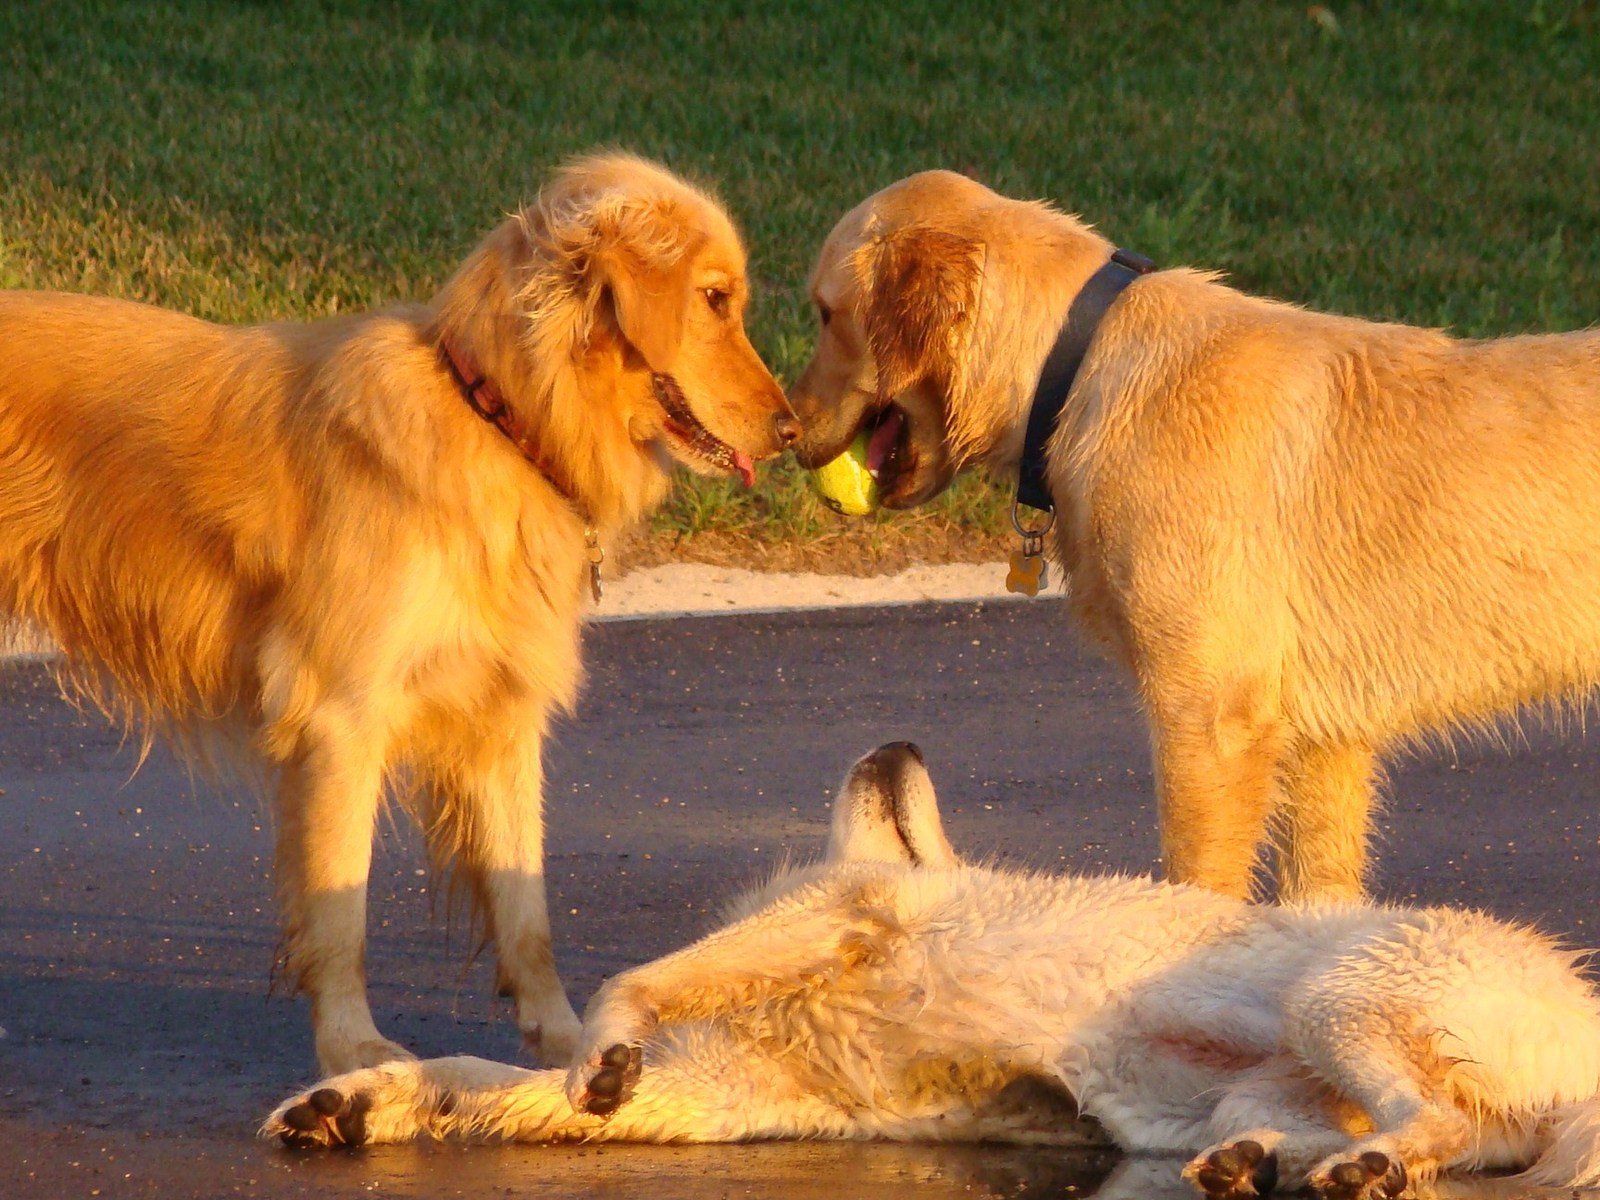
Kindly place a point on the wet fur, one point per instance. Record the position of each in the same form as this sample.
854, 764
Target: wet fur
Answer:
300, 537
893, 991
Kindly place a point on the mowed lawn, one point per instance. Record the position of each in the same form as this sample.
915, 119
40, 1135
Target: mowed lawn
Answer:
1433, 162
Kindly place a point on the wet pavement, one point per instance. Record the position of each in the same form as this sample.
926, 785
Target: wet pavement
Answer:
137, 931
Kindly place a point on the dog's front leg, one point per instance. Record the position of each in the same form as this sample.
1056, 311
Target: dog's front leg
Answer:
701, 1087
495, 815
818, 932
327, 801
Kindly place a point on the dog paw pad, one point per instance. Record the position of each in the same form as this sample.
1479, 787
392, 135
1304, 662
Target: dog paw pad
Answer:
1371, 1176
327, 1117
1238, 1170
327, 1102
611, 1086
301, 1118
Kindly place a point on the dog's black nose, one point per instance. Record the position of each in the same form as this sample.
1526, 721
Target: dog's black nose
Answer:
787, 426
891, 753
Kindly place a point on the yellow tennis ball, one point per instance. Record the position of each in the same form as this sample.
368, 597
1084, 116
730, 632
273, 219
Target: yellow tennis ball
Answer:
845, 484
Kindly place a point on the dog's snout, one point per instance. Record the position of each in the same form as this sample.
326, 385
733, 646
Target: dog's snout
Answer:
911, 748
788, 429
894, 754
885, 769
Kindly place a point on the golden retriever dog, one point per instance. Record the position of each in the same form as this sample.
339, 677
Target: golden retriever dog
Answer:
1308, 537
368, 542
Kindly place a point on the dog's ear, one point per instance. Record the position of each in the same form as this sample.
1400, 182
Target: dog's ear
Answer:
641, 266
920, 287
887, 811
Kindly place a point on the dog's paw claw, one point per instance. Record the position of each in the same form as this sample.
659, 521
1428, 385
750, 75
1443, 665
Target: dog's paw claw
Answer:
610, 1087
1238, 1170
1371, 1176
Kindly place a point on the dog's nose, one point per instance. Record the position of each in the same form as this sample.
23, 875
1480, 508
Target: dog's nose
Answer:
787, 426
894, 753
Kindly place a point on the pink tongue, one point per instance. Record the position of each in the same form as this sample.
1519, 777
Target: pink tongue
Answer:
883, 440
746, 467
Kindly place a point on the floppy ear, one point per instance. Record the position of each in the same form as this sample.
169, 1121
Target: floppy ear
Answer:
641, 264
887, 812
921, 286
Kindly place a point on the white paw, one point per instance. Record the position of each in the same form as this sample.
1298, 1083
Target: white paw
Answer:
353, 1109
1234, 1170
1373, 1175
604, 1081
553, 1042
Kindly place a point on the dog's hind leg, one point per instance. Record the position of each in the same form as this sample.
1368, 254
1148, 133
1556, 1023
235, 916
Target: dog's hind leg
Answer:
1322, 836
493, 814
1370, 1047
327, 805
1272, 1125
394, 1102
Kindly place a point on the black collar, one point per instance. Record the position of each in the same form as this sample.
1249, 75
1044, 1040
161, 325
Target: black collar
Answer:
1061, 368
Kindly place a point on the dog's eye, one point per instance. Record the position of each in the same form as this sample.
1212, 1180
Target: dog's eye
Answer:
717, 298
824, 314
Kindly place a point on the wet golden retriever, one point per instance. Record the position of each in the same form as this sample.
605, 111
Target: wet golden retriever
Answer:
1309, 537
367, 541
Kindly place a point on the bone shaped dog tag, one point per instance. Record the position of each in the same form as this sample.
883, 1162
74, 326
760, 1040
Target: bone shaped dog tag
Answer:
1027, 574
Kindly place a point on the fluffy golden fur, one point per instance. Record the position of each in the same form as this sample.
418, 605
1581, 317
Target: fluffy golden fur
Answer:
303, 532
1309, 537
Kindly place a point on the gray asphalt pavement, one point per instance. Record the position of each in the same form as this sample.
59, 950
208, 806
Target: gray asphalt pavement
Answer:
137, 930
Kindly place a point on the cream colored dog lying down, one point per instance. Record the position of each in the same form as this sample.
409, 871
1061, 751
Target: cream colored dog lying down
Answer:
894, 991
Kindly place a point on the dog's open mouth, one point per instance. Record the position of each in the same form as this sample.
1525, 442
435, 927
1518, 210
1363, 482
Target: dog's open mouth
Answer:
693, 438
888, 454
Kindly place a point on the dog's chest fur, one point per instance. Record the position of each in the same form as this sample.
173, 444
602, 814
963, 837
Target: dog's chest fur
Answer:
1136, 998
957, 983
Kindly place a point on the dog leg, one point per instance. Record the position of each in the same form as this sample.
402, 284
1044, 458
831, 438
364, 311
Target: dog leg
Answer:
327, 804
1416, 1135
1273, 1124
498, 825
1322, 851
1361, 1038
394, 1102
818, 930
1216, 765
697, 1088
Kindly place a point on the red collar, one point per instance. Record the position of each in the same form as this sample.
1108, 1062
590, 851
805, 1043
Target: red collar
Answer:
485, 399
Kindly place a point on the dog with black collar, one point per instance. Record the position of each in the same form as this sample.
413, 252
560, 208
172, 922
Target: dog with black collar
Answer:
1308, 537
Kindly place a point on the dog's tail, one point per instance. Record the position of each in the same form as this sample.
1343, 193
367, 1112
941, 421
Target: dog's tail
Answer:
1569, 1147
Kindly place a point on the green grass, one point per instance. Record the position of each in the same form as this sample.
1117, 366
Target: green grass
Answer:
1434, 162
